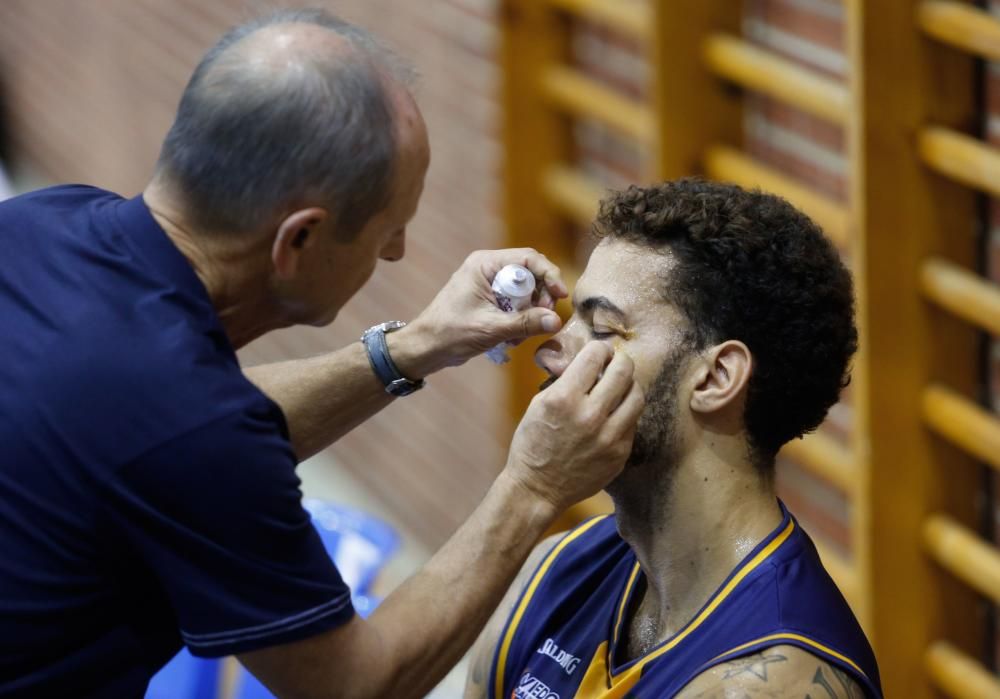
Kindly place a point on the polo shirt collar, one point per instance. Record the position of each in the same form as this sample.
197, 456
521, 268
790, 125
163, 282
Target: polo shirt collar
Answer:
154, 244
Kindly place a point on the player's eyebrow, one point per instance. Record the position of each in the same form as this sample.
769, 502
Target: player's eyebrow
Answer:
592, 303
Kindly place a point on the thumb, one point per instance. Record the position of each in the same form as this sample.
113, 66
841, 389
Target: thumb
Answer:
534, 321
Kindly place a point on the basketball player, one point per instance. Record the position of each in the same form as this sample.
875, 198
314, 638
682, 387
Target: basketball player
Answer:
739, 316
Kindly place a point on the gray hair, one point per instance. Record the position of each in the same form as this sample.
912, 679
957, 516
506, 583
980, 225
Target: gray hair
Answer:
246, 146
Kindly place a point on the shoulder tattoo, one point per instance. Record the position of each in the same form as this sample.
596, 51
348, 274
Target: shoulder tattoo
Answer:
782, 672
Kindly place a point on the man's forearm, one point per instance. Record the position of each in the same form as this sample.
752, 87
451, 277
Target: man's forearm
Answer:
571, 442
430, 621
323, 398
422, 629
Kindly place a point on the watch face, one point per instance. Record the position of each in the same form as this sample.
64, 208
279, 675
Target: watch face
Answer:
403, 387
386, 327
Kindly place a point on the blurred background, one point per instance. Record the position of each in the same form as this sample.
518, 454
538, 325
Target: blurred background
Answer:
878, 119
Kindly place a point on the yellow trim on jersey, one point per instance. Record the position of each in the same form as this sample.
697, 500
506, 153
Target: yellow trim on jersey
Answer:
526, 599
794, 637
625, 597
594, 684
633, 672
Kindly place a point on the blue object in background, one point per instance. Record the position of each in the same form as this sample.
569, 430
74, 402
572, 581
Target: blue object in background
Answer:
186, 677
359, 545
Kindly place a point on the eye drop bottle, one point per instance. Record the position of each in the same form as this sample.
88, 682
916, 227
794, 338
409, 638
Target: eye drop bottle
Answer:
513, 287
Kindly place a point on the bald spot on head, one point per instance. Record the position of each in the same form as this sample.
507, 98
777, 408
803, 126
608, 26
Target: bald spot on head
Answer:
288, 110
279, 53
296, 51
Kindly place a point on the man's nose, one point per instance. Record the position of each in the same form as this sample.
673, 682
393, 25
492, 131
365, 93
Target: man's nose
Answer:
394, 251
557, 353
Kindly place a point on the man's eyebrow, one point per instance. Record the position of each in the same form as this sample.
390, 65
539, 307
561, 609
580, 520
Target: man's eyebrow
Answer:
592, 303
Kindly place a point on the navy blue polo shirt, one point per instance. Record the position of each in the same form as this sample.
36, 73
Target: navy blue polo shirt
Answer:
148, 494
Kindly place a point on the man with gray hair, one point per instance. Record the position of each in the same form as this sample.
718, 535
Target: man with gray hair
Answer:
148, 496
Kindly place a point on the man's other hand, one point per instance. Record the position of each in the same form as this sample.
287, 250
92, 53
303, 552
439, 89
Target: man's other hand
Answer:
577, 434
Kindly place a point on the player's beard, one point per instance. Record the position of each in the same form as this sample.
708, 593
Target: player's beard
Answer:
652, 463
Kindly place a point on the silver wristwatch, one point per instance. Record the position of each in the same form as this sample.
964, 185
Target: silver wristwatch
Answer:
383, 366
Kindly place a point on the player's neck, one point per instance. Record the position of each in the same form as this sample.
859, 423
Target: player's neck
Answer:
229, 268
689, 534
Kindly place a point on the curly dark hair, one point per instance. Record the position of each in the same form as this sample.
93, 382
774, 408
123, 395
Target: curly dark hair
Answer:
751, 267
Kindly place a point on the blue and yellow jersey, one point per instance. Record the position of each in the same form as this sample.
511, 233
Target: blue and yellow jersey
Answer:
561, 637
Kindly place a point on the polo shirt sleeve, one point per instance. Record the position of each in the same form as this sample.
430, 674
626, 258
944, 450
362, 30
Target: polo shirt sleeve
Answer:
216, 515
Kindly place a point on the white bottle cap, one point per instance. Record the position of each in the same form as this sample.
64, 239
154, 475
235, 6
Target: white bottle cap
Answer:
514, 281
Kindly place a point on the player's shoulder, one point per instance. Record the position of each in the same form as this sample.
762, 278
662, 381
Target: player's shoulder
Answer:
485, 649
596, 533
778, 672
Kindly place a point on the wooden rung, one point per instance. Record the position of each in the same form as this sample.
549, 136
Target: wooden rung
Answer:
842, 572
961, 25
730, 165
959, 675
825, 457
762, 71
960, 551
963, 423
581, 96
572, 193
961, 158
631, 17
963, 293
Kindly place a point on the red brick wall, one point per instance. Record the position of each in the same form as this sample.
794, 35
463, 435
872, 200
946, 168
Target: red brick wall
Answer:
92, 88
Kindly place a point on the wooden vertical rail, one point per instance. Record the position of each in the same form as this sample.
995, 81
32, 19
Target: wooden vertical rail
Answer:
901, 82
860, 515
542, 192
536, 139
693, 110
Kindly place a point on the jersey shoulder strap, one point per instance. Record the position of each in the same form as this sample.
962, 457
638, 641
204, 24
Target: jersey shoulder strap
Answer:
565, 558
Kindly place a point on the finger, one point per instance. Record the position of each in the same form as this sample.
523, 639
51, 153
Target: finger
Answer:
581, 374
541, 267
614, 384
545, 299
626, 415
521, 325
547, 273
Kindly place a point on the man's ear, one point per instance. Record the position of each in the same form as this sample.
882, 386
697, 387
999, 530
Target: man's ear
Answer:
297, 232
723, 377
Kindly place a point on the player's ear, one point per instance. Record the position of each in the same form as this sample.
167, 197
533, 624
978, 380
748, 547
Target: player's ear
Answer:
723, 375
296, 233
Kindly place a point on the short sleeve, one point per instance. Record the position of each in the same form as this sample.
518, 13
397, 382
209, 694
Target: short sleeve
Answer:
216, 515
